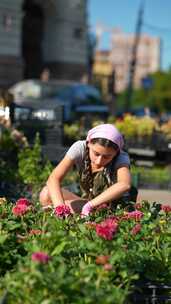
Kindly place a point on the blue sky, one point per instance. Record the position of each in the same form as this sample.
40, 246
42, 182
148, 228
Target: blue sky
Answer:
123, 14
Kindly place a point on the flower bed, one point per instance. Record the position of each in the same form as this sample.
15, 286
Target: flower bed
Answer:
56, 257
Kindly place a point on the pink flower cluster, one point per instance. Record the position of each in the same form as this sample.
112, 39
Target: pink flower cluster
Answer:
62, 211
136, 229
23, 201
21, 207
136, 215
40, 257
107, 228
166, 208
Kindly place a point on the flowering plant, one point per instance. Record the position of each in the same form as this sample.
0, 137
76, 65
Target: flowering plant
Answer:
21, 207
47, 258
62, 211
40, 257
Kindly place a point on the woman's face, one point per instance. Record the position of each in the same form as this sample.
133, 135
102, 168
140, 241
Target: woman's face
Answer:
100, 156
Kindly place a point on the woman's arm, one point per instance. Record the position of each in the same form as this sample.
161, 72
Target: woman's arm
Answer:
55, 179
115, 191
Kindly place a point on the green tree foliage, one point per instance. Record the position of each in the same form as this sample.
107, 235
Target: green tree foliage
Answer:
157, 98
161, 92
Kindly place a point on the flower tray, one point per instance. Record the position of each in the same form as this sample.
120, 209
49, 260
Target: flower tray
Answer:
151, 293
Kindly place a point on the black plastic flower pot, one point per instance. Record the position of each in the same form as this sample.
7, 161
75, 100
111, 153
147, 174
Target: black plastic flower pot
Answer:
151, 293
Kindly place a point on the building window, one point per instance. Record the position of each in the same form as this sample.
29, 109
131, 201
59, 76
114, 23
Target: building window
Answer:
7, 22
78, 33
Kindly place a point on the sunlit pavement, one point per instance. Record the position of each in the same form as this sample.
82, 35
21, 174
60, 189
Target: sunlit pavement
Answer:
159, 196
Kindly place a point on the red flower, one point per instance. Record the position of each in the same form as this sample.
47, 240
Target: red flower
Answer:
107, 228
20, 209
166, 208
62, 211
136, 229
23, 201
35, 232
40, 257
102, 259
104, 232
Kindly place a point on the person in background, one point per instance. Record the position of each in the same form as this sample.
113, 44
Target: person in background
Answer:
8, 106
104, 172
10, 100
45, 75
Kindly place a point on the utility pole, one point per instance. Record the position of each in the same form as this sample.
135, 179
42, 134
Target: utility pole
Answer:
112, 92
133, 61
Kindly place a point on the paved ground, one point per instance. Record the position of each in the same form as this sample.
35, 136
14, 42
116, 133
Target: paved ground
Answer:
159, 196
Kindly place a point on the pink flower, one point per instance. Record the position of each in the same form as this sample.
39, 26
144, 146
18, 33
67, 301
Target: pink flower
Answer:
40, 257
20, 209
107, 267
107, 228
136, 229
23, 201
166, 208
110, 220
136, 215
62, 211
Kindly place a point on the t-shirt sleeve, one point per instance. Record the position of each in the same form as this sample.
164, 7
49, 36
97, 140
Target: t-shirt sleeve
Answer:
77, 152
122, 160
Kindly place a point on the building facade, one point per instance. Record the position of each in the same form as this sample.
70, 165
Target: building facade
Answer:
102, 69
35, 34
120, 56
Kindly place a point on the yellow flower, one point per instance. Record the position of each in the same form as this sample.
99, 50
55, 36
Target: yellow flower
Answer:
3, 200
162, 222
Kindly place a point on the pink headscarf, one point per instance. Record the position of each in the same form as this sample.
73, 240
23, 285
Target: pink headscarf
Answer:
106, 131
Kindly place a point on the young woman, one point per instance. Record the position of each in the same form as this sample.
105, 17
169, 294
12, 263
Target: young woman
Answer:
104, 170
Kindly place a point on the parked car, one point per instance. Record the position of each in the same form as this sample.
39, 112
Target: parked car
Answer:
70, 95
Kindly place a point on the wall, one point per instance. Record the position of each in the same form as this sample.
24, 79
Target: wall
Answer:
10, 31
65, 37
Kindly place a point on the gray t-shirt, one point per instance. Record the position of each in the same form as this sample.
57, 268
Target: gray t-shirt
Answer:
77, 153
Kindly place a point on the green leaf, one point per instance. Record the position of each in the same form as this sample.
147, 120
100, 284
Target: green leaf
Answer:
3, 238
14, 226
59, 248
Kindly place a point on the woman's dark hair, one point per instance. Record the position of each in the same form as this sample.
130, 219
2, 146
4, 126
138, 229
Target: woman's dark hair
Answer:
105, 143
87, 170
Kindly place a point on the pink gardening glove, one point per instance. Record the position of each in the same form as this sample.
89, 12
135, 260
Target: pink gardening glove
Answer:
86, 210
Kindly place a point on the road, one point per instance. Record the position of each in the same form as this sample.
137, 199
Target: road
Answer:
159, 196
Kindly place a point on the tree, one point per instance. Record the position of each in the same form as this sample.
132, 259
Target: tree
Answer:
157, 98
